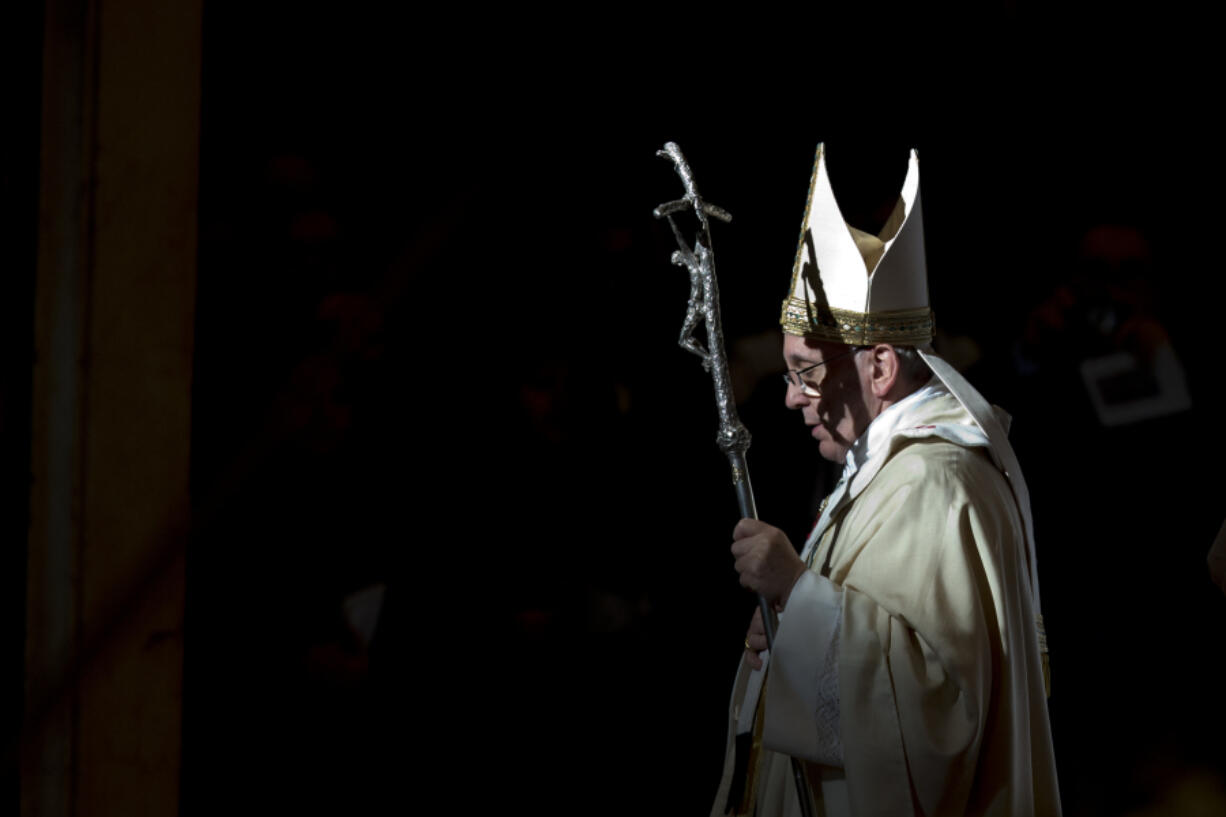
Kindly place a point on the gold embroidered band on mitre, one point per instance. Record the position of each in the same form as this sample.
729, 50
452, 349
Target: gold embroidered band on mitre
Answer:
905, 327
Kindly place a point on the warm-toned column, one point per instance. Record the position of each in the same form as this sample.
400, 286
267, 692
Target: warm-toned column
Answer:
110, 437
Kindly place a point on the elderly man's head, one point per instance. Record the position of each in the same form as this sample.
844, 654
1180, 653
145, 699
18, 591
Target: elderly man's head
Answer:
840, 389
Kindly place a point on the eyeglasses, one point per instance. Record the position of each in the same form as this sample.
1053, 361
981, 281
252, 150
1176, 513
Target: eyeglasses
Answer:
793, 377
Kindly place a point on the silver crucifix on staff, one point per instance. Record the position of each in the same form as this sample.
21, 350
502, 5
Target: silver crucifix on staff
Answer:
733, 438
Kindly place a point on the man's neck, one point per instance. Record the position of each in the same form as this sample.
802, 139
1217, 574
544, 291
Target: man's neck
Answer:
875, 433
900, 392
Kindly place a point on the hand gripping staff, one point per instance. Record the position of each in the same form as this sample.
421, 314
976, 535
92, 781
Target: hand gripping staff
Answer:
733, 438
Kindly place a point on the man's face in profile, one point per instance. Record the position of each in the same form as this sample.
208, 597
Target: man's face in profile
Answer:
832, 401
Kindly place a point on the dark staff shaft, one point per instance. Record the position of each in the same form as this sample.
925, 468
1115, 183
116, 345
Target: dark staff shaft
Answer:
749, 510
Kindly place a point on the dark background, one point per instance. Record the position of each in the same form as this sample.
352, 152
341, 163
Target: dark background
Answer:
436, 350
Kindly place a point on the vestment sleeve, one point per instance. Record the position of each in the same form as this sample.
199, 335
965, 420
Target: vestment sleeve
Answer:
802, 715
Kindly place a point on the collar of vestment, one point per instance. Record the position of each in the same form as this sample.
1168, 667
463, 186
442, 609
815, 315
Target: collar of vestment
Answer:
930, 411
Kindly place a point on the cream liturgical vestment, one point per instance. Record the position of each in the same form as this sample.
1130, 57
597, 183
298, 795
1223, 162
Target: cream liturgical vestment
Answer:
906, 671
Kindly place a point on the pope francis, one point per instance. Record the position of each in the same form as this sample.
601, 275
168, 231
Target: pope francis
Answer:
909, 667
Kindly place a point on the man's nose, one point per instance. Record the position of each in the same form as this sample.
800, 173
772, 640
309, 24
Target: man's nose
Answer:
795, 398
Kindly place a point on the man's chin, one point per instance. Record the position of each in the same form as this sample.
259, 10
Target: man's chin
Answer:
830, 450
826, 445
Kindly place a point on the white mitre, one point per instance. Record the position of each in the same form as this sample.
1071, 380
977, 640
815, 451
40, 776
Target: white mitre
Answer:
855, 288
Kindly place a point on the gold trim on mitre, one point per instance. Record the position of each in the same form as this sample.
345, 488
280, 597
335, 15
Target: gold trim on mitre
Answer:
852, 287
904, 327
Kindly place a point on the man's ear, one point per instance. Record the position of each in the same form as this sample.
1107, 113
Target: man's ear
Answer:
886, 370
